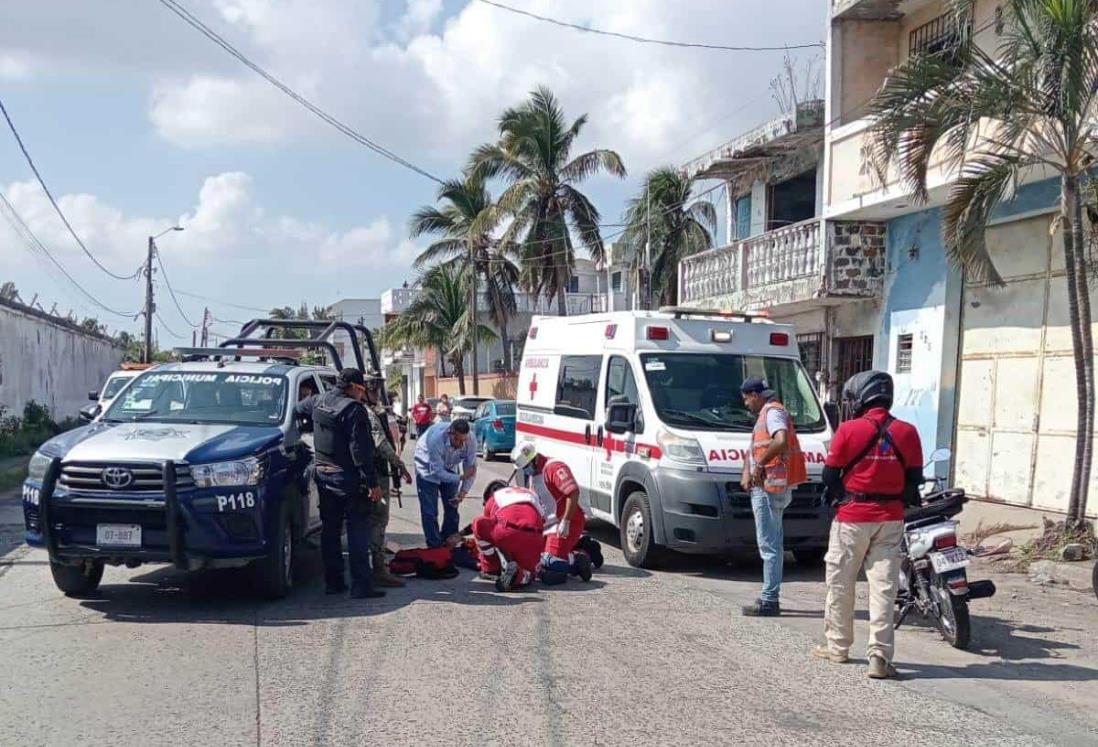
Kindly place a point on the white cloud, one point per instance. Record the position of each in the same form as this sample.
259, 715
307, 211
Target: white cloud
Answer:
14, 66
435, 95
225, 226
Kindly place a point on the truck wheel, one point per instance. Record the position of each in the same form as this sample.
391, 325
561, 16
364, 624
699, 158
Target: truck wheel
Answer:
637, 544
276, 571
813, 557
77, 580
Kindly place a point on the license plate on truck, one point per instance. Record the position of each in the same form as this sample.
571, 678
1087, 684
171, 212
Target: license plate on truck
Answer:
118, 535
949, 560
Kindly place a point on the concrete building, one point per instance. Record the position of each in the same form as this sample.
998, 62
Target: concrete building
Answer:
784, 257
50, 360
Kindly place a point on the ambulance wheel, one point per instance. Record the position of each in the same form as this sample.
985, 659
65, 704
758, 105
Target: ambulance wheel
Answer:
276, 571
637, 544
77, 580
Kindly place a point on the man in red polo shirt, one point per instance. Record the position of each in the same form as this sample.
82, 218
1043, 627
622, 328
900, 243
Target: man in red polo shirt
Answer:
422, 415
875, 462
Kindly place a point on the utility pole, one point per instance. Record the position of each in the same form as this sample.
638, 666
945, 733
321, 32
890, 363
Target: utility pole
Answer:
150, 307
205, 326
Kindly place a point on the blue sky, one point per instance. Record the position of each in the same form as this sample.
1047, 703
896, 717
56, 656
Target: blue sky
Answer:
137, 122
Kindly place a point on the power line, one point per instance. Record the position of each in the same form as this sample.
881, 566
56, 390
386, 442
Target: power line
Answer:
647, 40
222, 303
347, 130
171, 291
23, 230
167, 329
56, 207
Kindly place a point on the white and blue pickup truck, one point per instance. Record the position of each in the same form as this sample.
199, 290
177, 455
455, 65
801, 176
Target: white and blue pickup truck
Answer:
198, 463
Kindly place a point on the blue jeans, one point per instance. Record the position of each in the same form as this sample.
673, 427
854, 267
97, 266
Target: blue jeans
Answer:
341, 500
768, 509
429, 495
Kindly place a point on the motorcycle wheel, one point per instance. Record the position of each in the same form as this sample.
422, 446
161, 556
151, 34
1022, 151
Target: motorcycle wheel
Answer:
953, 621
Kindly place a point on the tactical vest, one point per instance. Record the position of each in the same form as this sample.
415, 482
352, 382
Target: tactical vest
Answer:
785, 470
330, 441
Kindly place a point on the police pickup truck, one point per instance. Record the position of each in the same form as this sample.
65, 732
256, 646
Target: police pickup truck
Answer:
198, 463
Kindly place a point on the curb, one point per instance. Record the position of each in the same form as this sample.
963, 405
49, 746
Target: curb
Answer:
1073, 575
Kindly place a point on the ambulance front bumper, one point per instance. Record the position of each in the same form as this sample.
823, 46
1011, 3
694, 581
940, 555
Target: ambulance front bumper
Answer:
710, 513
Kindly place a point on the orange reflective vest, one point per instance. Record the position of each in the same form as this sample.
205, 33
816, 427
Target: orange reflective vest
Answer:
786, 470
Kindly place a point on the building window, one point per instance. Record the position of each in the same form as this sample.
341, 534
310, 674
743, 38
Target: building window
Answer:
855, 356
574, 284
904, 344
615, 282
811, 347
939, 34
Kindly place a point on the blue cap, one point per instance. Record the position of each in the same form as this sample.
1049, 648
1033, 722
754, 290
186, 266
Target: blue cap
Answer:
754, 385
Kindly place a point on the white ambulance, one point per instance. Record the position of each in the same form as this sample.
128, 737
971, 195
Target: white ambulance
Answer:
645, 408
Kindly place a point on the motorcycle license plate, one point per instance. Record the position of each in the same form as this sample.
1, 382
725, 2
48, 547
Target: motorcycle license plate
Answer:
949, 560
118, 535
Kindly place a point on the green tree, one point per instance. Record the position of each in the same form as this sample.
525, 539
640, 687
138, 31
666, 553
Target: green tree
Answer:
465, 221
1028, 105
533, 156
663, 215
439, 318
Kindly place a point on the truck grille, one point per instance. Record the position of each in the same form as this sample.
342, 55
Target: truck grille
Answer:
807, 500
86, 477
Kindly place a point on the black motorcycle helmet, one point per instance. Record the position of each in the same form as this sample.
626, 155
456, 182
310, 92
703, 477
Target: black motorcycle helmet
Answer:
868, 389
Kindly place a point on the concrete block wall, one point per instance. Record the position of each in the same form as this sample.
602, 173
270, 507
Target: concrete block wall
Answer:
50, 361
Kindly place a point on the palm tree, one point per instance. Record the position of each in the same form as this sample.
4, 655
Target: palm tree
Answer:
534, 156
439, 318
466, 221
663, 216
1028, 106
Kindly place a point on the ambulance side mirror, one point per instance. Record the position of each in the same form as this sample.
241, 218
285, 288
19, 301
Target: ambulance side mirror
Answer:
831, 410
621, 417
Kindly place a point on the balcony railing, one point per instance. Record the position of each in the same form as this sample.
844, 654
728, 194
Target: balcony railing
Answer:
800, 262
773, 257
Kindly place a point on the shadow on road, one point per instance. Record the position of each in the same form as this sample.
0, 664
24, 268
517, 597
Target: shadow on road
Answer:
228, 597
1010, 671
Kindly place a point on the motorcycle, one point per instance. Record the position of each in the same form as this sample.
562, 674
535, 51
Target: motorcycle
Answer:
933, 579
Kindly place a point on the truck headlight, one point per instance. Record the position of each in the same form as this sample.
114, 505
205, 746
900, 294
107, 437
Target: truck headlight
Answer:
39, 463
227, 474
680, 448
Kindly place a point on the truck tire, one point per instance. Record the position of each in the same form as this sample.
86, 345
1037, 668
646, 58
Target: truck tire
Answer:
637, 543
276, 571
810, 558
77, 580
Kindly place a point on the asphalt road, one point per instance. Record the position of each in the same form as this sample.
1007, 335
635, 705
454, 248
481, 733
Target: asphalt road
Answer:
634, 657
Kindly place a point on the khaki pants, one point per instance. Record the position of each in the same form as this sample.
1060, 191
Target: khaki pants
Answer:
379, 513
877, 545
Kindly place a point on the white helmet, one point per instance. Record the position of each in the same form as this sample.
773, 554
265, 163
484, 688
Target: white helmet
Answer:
524, 454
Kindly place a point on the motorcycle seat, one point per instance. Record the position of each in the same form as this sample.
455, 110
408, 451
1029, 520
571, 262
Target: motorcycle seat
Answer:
949, 505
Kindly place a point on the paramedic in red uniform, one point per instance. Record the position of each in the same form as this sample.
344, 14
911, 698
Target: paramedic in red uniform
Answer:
874, 465
552, 479
511, 524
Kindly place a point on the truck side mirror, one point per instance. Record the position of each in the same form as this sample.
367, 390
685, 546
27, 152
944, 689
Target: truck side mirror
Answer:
831, 410
621, 417
88, 413
93, 396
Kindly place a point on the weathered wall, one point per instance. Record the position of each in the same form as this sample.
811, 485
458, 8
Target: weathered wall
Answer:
869, 50
50, 362
857, 252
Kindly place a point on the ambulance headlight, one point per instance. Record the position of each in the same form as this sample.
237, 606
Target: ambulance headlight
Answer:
36, 469
680, 448
227, 474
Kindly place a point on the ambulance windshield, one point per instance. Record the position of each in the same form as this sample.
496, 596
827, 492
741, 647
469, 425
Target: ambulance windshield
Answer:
701, 391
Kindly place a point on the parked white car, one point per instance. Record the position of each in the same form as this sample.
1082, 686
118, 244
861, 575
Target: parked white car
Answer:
464, 407
112, 387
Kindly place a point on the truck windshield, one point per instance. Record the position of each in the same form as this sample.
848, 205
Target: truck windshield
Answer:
114, 385
701, 391
202, 397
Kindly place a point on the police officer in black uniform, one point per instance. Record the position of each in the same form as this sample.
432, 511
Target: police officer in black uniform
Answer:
346, 480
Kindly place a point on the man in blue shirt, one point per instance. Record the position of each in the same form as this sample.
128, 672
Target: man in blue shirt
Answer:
446, 466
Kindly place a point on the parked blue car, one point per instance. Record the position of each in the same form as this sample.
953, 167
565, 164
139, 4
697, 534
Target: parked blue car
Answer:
494, 427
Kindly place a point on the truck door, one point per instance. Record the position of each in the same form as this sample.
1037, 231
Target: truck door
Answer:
619, 385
